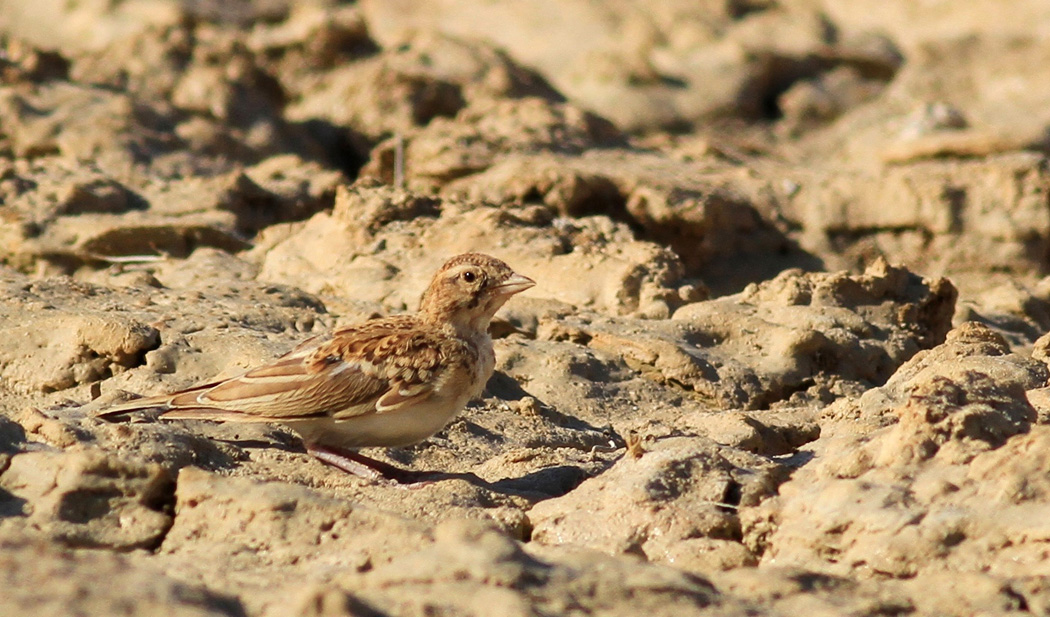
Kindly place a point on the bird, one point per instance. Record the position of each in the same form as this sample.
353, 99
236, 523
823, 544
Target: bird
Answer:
386, 382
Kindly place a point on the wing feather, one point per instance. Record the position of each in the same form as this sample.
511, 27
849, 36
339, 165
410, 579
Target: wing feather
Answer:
376, 367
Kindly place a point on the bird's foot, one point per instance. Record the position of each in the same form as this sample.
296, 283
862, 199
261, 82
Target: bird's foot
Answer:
365, 467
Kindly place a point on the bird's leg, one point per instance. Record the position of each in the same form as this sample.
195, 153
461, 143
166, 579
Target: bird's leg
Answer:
359, 464
340, 460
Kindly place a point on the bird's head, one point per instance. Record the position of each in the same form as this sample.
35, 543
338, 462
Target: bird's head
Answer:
468, 290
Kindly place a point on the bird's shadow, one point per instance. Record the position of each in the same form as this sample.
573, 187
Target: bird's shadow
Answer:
535, 486
506, 388
262, 444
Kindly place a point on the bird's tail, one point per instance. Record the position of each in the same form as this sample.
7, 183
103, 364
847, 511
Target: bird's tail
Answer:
167, 403
145, 403
182, 405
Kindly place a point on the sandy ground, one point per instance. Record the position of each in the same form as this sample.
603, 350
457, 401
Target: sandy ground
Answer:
785, 355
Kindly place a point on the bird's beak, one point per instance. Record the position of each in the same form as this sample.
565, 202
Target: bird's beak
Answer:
516, 283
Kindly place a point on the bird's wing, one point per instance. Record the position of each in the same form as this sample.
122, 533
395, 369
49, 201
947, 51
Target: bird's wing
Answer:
376, 367
404, 358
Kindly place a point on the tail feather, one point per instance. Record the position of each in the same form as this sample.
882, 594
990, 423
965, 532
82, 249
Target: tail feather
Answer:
181, 405
140, 404
163, 402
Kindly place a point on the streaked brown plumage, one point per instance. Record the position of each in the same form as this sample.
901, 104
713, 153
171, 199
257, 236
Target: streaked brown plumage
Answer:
392, 381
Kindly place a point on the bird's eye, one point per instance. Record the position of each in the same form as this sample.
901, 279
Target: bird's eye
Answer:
469, 276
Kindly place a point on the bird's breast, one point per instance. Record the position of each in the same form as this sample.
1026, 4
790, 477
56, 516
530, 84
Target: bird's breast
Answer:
483, 364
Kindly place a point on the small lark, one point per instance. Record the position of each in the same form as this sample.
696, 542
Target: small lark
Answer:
392, 381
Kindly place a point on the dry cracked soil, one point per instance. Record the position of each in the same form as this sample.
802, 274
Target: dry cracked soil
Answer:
786, 353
